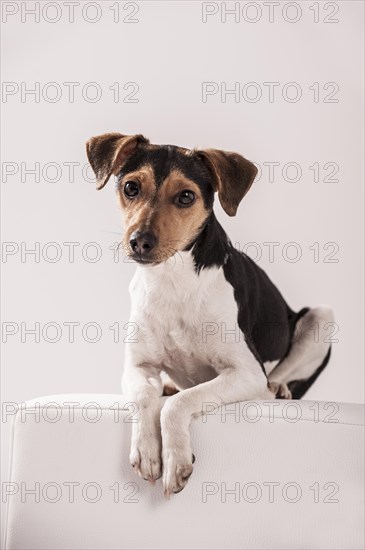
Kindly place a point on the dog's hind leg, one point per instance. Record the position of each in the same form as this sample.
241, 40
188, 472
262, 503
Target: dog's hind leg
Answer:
308, 355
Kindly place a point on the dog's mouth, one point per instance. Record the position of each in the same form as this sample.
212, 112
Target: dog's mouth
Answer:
145, 261
151, 258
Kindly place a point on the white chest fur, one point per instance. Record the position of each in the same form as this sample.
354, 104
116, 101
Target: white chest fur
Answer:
187, 323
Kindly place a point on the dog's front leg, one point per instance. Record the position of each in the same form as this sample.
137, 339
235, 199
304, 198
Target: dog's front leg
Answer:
230, 386
142, 384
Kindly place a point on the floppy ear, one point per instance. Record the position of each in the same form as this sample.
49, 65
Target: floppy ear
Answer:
233, 176
107, 154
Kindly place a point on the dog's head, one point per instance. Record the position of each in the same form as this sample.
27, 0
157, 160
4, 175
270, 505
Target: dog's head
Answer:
166, 192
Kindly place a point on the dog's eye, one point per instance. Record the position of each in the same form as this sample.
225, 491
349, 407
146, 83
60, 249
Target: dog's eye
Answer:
186, 198
131, 189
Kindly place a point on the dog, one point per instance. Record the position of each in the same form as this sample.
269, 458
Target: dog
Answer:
192, 293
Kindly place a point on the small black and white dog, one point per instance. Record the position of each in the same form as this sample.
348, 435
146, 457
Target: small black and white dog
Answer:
191, 287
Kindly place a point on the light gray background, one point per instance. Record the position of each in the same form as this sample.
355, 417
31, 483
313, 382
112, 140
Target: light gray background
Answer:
169, 53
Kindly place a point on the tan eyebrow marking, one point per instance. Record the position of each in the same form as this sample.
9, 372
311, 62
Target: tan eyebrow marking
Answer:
177, 181
145, 175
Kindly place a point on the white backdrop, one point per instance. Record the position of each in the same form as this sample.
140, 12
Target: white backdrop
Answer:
164, 69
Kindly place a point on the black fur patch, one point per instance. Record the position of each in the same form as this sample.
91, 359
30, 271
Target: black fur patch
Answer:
265, 319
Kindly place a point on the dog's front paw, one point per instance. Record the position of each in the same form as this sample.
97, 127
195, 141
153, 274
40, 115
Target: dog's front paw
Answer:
177, 468
145, 458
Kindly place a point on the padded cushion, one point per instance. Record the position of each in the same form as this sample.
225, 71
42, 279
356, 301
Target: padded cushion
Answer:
275, 475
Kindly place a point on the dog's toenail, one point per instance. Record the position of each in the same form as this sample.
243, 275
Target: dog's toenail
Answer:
193, 458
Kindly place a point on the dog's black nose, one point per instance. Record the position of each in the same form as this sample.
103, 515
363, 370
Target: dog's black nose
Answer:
142, 243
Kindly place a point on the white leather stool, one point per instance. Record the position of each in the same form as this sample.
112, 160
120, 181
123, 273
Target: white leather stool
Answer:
268, 475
